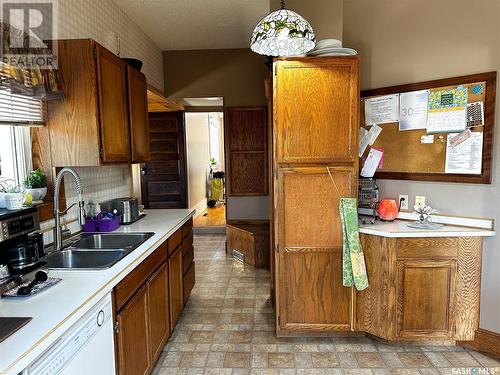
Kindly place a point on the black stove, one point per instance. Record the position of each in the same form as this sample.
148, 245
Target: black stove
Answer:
17, 237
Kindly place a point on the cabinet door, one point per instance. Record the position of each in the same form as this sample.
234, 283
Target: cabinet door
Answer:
425, 298
246, 149
113, 116
316, 110
133, 341
159, 320
310, 296
175, 285
137, 88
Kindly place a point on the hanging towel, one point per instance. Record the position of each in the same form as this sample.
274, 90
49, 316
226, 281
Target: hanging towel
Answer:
353, 259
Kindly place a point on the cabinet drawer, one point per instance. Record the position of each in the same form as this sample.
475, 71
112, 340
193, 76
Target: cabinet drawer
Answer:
187, 243
186, 228
188, 281
174, 241
134, 280
187, 260
427, 248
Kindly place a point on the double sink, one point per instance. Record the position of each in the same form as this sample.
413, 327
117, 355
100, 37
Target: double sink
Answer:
95, 251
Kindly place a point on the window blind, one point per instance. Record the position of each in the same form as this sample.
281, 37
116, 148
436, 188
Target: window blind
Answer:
20, 109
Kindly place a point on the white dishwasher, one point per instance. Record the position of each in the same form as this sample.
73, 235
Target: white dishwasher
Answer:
86, 348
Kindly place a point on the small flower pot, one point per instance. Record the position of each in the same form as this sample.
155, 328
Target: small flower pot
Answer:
37, 194
14, 201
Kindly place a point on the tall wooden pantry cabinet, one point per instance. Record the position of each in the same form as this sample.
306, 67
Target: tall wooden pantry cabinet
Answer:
315, 136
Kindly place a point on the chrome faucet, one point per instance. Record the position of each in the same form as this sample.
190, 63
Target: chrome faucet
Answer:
57, 213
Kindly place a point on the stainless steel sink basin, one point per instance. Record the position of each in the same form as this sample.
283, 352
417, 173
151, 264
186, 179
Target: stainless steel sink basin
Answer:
78, 259
96, 250
111, 240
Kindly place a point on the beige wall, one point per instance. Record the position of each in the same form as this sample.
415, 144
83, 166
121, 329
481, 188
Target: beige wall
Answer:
325, 16
104, 21
236, 74
198, 154
408, 41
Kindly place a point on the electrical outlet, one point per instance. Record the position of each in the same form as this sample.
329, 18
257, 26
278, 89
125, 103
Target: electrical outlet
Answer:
403, 200
419, 200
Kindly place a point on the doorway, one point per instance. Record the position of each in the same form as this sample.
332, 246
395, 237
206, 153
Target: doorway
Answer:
206, 162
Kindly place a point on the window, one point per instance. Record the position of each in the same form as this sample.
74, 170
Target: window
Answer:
15, 140
216, 137
15, 153
19, 109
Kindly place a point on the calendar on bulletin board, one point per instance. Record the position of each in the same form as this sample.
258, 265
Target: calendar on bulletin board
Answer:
438, 130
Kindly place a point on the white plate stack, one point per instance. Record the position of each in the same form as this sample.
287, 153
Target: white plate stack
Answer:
331, 47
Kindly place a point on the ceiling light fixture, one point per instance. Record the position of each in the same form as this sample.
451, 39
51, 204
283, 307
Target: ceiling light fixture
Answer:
283, 33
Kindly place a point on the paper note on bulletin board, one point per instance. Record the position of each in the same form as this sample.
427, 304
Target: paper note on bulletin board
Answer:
447, 110
382, 109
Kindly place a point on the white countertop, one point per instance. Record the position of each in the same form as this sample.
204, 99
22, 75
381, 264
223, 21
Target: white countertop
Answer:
57, 309
398, 228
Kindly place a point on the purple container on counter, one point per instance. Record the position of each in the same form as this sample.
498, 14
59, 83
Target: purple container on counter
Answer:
101, 224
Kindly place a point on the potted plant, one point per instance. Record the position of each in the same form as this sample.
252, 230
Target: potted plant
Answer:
36, 185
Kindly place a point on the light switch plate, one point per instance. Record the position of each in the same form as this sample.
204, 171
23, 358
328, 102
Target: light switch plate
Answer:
404, 202
419, 200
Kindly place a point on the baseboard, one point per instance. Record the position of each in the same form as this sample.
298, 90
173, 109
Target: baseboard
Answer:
200, 207
486, 342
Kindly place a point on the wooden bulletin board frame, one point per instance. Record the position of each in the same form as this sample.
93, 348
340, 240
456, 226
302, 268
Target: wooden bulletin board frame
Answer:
489, 119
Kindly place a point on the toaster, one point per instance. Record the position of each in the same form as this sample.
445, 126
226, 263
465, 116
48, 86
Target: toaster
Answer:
128, 208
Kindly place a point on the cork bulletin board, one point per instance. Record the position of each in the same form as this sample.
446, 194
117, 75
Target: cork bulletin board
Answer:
406, 158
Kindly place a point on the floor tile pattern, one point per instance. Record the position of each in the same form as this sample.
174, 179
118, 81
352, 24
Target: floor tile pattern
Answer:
227, 327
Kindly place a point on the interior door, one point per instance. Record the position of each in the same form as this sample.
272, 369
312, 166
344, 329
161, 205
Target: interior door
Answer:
137, 88
134, 349
309, 292
164, 175
113, 116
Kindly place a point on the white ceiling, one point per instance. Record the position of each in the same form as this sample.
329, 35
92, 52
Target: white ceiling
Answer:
197, 24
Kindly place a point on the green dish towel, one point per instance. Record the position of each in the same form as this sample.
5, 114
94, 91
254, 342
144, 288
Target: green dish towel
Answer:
353, 259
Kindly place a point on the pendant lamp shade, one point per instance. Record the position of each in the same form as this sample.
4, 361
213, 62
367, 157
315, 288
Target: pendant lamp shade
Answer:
283, 33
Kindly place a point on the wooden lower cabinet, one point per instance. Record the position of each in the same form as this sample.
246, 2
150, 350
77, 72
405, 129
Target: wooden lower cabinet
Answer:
421, 289
158, 310
425, 292
149, 301
175, 285
134, 356
311, 295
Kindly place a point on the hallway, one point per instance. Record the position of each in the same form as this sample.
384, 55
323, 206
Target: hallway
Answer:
227, 327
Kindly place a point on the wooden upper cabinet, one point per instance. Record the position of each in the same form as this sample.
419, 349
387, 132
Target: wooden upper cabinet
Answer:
112, 107
137, 87
91, 125
246, 150
316, 110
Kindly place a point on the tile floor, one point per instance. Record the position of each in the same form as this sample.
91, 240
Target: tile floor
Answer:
227, 327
